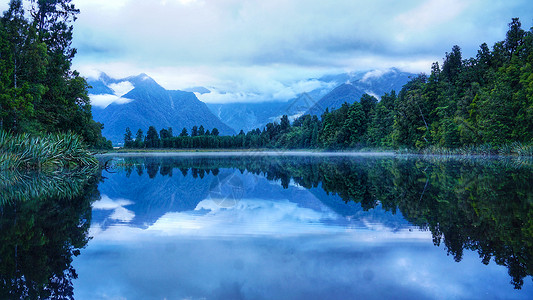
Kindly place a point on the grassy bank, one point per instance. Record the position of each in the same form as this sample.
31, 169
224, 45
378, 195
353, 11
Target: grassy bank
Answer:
46, 152
514, 149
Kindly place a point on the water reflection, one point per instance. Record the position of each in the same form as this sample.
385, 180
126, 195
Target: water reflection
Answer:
44, 222
478, 205
281, 227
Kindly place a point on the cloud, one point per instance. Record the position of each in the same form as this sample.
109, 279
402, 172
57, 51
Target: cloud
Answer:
119, 90
431, 13
233, 45
375, 74
122, 88
106, 203
265, 91
119, 213
104, 100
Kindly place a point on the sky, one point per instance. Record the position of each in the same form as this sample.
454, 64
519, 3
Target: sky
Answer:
241, 48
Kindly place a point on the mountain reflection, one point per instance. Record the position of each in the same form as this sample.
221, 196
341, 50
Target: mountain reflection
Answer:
44, 222
480, 205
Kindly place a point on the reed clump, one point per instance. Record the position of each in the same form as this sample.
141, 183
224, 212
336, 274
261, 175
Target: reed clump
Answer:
47, 152
515, 149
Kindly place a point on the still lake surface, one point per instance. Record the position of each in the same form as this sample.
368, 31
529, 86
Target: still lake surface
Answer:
280, 226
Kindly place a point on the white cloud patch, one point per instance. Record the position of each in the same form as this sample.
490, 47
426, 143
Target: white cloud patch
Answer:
119, 89
122, 88
120, 213
375, 74
106, 203
104, 100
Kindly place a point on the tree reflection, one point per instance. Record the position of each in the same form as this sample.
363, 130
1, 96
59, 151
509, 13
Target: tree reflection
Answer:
44, 222
480, 205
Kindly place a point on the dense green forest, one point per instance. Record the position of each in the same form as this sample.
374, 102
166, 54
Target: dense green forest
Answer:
484, 102
39, 92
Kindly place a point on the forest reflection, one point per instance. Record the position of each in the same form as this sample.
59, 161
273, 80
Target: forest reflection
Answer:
44, 222
480, 205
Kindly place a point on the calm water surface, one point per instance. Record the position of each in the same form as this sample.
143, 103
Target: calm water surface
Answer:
249, 226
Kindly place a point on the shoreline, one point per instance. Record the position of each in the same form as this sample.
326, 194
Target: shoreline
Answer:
297, 153
249, 153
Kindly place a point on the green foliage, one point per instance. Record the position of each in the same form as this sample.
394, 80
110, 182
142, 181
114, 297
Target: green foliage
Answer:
476, 101
38, 90
48, 152
152, 138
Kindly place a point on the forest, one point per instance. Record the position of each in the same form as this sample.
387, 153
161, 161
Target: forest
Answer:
39, 91
482, 103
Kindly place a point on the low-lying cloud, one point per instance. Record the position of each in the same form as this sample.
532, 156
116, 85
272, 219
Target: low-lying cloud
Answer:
119, 90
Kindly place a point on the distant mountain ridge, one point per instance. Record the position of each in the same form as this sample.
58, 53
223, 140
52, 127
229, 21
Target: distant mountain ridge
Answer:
348, 87
375, 83
145, 103
139, 101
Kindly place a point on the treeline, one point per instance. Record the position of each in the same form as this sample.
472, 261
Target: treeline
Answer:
199, 138
481, 101
38, 90
487, 99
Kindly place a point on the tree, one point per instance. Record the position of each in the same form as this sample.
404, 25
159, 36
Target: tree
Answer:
128, 138
368, 105
194, 131
285, 124
164, 134
215, 132
452, 64
354, 125
201, 130
514, 37
184, 132
152, 138
139, 139
39, 92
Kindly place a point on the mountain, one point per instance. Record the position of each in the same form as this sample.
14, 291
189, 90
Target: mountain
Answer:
343, 93
374, 83
249, 116
139, 101
348, 87
246, 116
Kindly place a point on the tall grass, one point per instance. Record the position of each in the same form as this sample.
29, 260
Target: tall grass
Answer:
513, 149
47, 152
27, 186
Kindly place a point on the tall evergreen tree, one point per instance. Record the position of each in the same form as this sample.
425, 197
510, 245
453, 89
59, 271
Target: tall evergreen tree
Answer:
139, 139
184, 132
128, 138
152, 138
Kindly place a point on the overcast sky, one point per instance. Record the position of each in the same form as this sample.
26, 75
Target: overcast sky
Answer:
258, 47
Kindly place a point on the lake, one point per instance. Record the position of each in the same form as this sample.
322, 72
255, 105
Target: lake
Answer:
278, 226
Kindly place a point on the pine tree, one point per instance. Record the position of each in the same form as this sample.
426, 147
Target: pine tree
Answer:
128, 138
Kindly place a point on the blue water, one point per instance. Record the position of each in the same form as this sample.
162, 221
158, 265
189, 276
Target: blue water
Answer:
219, 231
